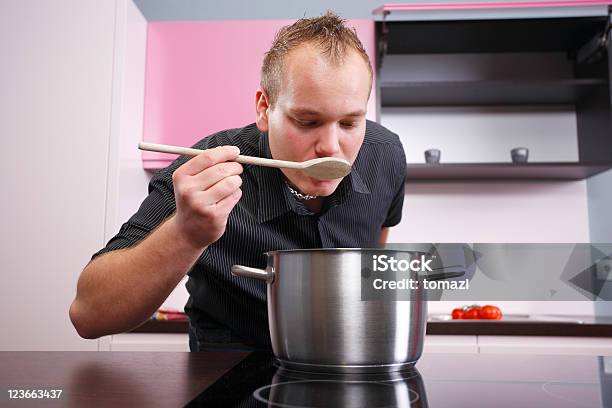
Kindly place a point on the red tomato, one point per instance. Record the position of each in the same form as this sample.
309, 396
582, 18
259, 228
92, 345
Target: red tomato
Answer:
458, 314
490, 312
472, 313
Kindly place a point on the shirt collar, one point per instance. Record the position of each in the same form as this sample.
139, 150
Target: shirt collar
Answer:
274, 198
357, 182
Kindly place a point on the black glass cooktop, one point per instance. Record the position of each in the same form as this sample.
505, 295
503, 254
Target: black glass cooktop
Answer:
439, 380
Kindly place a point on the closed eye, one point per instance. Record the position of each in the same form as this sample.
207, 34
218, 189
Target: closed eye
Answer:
306, 123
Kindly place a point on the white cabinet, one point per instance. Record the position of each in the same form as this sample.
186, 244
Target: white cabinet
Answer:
180, 342
149, 342
450, 344
57, 76
592, 346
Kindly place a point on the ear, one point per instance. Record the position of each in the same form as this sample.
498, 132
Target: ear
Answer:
262, 104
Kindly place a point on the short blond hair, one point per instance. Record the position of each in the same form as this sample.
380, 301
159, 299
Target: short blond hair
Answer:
328, 32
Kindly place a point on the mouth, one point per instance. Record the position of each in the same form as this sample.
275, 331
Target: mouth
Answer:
322, 187
313, 186
322, 182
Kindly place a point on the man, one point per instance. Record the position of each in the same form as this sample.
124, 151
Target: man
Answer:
205, 214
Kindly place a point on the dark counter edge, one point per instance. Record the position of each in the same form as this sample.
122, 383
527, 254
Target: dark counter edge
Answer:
499, 328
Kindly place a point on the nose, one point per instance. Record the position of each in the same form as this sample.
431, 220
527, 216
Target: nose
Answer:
328, 143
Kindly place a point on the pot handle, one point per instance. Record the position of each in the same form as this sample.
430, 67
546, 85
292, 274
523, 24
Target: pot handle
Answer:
441, 276
248, 272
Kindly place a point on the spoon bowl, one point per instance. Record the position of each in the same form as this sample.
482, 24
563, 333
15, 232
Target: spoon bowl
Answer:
326, 168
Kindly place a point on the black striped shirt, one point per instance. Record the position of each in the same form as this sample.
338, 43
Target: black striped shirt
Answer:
224, 308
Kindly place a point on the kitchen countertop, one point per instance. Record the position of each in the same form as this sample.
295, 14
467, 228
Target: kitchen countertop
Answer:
156, 379
511, 325
112, 379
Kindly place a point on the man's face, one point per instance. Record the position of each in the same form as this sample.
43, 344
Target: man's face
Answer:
320, 111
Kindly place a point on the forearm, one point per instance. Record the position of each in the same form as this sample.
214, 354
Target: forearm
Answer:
120, 289
384, 234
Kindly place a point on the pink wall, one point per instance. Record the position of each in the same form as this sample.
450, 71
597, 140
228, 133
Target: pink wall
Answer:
201, 77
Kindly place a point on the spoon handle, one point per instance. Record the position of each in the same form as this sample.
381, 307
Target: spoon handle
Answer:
188, 151
260, 161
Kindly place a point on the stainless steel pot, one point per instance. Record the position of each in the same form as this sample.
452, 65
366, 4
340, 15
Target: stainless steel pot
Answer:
319, 322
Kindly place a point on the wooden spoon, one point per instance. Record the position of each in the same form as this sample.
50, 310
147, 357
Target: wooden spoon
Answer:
324, 168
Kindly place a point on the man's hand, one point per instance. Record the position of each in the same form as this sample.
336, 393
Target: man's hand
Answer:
206, 188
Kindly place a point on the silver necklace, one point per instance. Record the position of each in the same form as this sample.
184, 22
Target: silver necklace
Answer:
299, 195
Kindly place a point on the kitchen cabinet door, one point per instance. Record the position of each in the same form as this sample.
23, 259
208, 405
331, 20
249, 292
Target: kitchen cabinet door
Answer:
201, 77
545, 345
150, 342
450, 344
